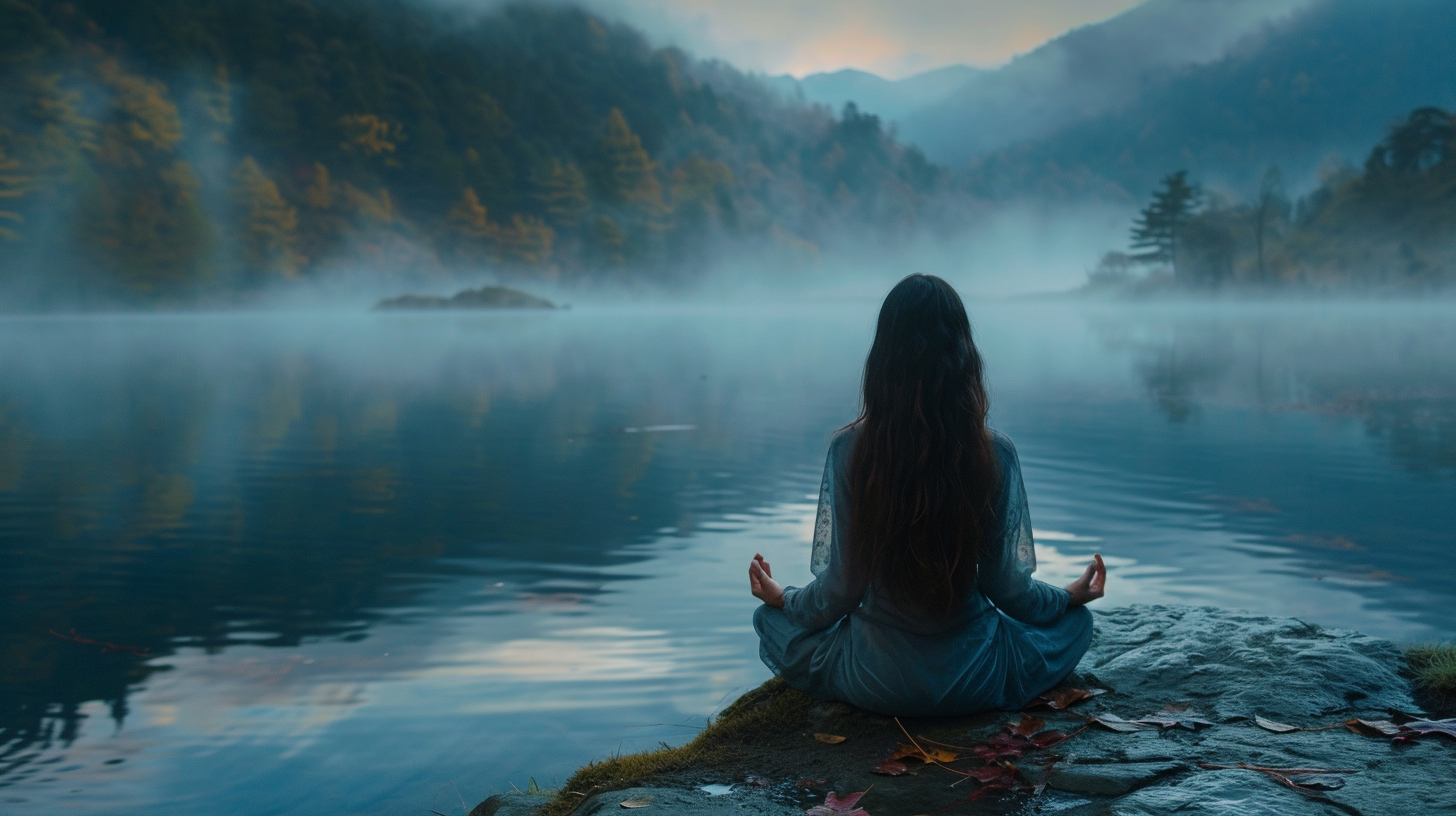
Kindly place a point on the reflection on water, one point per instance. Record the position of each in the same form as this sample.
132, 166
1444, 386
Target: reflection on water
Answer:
386, 563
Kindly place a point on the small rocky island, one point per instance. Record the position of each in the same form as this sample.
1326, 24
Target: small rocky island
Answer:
486, 297
1174, 709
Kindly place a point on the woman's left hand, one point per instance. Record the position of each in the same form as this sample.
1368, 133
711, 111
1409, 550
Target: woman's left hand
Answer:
760, 580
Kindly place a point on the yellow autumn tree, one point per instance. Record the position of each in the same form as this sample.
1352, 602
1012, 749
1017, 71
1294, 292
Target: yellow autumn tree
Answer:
139, 212
266, 224
561, 189
526, 241
12, 186
633, 174
370, 135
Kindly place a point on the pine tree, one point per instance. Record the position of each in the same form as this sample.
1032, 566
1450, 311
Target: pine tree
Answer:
1157, 233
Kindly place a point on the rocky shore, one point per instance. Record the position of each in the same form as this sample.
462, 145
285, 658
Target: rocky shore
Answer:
1166, 704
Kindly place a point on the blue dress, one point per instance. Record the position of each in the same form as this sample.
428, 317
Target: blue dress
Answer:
839, 639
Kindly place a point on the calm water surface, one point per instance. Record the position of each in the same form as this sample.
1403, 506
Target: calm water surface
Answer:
392, 563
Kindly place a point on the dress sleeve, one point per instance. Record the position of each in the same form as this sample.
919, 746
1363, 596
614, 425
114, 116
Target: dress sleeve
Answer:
1010, 558
833, 593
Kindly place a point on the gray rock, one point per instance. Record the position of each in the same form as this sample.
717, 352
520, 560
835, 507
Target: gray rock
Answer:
510, 804
1109, 779
742, 801
1233, 665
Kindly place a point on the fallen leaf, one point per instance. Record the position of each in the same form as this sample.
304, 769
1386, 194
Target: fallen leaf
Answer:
1029, 725
1047, 739
992, 773
1276, 727
1112, 722
922, 754
891, 768
1416, 728
640, 802
1183, 718
1062, 698
830, 739
834, 806
1373, 728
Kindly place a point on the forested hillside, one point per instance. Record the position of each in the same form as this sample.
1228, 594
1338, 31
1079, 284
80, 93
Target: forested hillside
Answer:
1330, 80
167, 150
1385, 227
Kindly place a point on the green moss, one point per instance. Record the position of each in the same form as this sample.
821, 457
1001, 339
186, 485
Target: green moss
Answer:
1434, 667
770, 708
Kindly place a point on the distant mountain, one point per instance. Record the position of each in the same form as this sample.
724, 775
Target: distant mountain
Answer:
1330, 80
1084, 73
891, 100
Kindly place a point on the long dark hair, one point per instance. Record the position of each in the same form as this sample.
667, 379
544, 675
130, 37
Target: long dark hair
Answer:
924, 470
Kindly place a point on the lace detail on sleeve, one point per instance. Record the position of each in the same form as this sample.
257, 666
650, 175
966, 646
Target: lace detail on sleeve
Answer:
823, 522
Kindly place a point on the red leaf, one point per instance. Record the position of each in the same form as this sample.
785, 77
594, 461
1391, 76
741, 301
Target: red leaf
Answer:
1047, 739
845, 805
1029, 725
891, 768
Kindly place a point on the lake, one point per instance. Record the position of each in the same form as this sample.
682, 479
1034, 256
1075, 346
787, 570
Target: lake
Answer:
316, 563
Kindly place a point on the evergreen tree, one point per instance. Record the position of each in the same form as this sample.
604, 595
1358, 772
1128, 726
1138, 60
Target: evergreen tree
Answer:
1157, 233
562, 193
1271, 198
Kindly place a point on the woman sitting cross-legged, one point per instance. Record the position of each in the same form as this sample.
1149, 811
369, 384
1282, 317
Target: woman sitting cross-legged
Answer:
923, 602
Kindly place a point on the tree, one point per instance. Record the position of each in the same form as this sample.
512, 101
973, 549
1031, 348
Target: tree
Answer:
1427, 138
12, 186
632, 172
562, 193
1157, 233
267, 224
1271, 199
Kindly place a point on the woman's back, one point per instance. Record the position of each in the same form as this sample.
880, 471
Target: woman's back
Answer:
923, 601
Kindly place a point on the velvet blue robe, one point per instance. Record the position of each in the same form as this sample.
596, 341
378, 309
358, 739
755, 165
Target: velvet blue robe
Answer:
839, 639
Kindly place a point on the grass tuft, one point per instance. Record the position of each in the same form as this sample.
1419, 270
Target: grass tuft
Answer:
770, 707
1434, 667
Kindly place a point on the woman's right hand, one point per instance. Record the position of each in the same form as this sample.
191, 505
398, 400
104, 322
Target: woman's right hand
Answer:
762, 584
1091, 585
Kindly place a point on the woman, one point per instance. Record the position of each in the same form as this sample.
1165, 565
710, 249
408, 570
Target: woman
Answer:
923, 601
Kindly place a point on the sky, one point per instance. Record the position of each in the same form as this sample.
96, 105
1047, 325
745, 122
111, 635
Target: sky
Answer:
892, 38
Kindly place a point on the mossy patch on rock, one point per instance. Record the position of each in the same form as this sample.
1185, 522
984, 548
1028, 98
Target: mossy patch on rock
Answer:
1434, 668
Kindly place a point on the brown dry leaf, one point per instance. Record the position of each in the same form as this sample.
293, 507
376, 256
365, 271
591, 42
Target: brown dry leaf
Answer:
1419, 728
640, 802
1276, 727
891, 768
923, 755
1062, 698
1029, 725
830, 739
1373, 728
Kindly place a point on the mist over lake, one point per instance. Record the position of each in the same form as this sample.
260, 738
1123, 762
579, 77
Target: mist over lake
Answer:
339, 562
